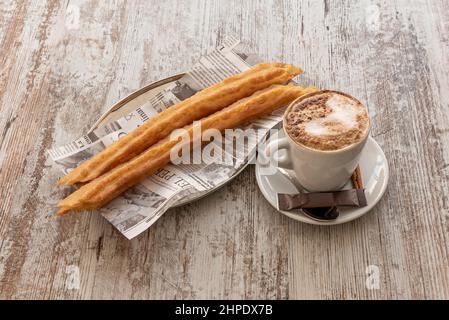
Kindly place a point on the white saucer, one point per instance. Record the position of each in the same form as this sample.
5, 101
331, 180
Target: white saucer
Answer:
374, 168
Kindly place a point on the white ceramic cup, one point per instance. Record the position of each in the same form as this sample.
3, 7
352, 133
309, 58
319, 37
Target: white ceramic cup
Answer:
316, 170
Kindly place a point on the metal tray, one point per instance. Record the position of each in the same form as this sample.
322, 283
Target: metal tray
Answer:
136, 99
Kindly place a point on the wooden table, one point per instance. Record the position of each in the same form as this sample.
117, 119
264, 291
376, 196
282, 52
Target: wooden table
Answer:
62, 63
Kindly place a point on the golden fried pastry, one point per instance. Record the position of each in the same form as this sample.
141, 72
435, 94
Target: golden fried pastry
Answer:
103, 189
201, 104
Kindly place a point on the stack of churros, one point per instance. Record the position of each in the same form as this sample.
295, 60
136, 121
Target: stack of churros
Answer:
228, 104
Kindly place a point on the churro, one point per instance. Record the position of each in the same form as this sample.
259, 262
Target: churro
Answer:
105, 188
201, 104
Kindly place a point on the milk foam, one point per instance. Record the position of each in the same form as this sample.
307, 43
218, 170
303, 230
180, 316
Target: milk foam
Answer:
327, 120
344, 112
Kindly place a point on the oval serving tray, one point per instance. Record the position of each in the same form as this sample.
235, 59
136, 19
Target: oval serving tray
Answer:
139, 97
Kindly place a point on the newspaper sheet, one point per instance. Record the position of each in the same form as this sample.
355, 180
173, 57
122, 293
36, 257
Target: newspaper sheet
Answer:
139, 207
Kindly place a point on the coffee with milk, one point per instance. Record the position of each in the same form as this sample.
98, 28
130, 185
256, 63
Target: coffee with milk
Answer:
327, 120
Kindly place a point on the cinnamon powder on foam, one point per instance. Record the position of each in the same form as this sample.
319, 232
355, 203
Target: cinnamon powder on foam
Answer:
327, 121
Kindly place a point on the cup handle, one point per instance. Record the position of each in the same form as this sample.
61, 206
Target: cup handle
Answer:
273, 147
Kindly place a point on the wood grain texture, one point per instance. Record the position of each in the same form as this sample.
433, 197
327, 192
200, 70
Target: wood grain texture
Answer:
63, 63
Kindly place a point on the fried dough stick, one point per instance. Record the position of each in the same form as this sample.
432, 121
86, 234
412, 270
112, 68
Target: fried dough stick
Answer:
102, 190
202, 104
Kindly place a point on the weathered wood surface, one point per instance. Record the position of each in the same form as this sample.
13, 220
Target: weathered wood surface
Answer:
63, 62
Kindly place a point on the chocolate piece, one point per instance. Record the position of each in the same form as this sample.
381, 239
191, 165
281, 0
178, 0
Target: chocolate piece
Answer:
326, 213
344, 198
